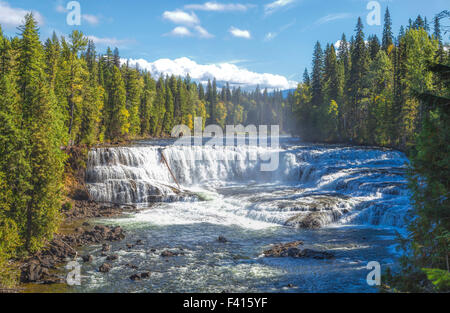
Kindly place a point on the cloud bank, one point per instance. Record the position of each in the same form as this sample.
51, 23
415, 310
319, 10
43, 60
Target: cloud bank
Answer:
12, 17
223, 72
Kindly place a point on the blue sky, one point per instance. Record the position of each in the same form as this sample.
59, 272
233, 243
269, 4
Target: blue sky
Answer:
269, 42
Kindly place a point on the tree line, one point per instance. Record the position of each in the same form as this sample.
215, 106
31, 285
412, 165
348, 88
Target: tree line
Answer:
363, 90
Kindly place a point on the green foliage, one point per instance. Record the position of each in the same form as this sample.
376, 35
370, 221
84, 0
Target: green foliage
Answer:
373, 86
439, 278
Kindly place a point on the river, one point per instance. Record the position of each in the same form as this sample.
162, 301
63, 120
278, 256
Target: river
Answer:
355, 199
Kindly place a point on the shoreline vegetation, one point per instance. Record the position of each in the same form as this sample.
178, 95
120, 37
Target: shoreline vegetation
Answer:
61, 93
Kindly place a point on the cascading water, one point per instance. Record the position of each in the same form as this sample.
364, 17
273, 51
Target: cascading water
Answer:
346, 200
312, 186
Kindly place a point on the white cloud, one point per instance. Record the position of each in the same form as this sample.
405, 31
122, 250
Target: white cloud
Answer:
203, 33
181, 17
240, 33
223, 72
13, 17
91, 19
180, 31
110, 41
274, 6
270, 36
333, 17
218, 7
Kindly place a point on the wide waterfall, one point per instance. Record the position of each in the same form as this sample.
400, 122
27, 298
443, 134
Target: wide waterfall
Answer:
313, 186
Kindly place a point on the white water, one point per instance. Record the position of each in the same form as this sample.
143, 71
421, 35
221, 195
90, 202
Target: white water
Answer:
226, 187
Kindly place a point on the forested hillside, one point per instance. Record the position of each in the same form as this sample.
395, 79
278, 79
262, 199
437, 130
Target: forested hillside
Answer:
364, 91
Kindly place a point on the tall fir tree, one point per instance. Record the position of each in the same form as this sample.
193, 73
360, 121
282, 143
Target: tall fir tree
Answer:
39, 118
387, 32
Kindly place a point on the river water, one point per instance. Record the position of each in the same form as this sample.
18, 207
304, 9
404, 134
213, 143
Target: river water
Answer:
350, 201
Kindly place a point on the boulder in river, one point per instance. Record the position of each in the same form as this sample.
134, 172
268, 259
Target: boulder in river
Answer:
222, 239
105, 268
87, 258
131, 266
278, 249
291, 250
314, 220
140, 276
112, 257
168, 253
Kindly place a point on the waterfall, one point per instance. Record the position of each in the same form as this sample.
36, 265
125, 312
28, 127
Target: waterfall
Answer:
333, 184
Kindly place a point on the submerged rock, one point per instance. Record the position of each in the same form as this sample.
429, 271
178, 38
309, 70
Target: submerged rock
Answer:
314, 220
222, 239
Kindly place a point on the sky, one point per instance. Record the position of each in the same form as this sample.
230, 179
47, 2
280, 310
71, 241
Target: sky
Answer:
245, 42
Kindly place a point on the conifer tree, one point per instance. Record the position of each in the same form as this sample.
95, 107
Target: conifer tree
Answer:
117, 115
134, 86
40, 119
148, 96
317, 75
387, 32
356, 84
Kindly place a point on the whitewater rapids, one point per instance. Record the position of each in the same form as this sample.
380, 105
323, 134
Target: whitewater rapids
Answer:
313, 186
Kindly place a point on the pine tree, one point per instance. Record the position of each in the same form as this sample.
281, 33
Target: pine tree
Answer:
169, 106
40, 120
15, 173
72, 79
159, 108
306, 78
374, 46
133, 87
357, 84
381, 94
317, 74
147, 100
117, 115
387, 32
92, 105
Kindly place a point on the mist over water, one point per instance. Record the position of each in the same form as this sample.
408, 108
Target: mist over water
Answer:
354, 198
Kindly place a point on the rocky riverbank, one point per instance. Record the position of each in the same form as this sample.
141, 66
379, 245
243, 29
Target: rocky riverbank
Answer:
42, 267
